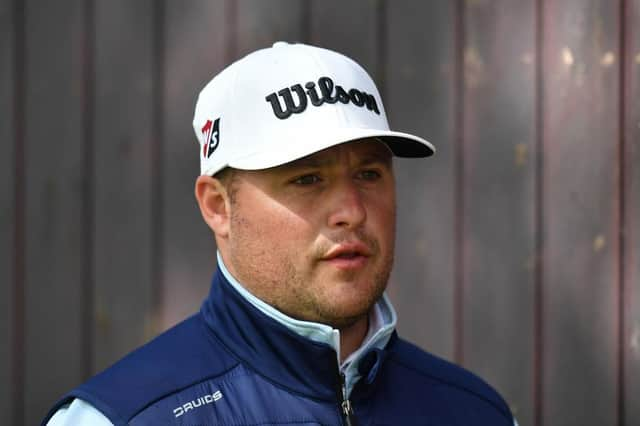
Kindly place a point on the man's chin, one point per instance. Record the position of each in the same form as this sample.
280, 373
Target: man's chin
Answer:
344, 322
343, 312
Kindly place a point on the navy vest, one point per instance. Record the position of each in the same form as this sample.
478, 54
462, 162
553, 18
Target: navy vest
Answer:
232, 365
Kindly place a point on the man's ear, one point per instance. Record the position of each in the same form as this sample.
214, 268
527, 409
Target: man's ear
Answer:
214, 204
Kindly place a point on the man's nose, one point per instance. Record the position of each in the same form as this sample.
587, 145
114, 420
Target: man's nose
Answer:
347, 206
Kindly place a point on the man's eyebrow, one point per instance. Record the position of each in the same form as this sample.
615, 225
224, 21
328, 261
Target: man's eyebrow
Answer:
383, 157
378, 153
313, 161
306, 163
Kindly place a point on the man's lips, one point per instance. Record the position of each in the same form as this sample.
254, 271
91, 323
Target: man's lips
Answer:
347, 250
348, 255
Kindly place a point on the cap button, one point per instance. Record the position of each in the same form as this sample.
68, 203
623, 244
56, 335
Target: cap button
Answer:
280, 44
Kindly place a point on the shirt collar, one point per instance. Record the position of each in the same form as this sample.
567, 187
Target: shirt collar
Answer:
382, 323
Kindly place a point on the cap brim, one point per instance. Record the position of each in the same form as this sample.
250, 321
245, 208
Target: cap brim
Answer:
288, 148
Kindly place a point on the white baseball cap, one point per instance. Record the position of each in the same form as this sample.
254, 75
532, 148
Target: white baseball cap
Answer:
285, 102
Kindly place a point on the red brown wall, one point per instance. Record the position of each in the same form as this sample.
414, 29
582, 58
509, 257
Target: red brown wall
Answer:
518, 249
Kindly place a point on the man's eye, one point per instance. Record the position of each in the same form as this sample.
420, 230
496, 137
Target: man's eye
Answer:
369, 175
306, 180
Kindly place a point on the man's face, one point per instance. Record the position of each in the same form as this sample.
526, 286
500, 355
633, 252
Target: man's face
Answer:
315, 237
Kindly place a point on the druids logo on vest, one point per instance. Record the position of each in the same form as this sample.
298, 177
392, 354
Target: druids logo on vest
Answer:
327, 94
201, 401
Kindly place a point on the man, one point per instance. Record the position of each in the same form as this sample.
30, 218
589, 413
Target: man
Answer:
297, 185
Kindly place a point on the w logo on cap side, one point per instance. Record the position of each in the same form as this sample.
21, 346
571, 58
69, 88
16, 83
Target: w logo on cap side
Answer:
211, 132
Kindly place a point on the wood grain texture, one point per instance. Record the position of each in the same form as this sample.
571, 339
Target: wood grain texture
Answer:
581, 198
7, 207
261, 23
122, 156
631, 234
419, 98
55, 217
195, 43
499, 178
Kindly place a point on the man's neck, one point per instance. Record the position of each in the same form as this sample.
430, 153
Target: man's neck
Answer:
352, 337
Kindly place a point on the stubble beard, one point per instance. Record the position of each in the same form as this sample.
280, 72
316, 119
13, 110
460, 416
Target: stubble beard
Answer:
325, 310
283, 286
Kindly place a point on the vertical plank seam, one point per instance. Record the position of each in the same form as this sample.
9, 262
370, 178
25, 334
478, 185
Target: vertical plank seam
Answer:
88, 190
459, 137
18, 327
622, 213
381, 41
157, 177
231, 31
538, 319
305, 21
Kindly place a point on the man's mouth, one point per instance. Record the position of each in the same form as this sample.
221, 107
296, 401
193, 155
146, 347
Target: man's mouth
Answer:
350, 255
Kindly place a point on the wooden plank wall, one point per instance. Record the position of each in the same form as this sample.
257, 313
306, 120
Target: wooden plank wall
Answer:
193, 44
57, 249
497, 197
629, 385
580, 211
123, 140
8, 172
518, 249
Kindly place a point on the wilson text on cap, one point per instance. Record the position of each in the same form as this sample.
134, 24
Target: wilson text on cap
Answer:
329, 93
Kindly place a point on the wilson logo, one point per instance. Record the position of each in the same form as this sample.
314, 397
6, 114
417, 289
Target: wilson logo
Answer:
196, 403
329, 93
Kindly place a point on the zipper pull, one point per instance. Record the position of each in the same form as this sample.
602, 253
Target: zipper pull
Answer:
347, 409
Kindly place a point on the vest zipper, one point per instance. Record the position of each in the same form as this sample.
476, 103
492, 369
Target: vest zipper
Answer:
346, 409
